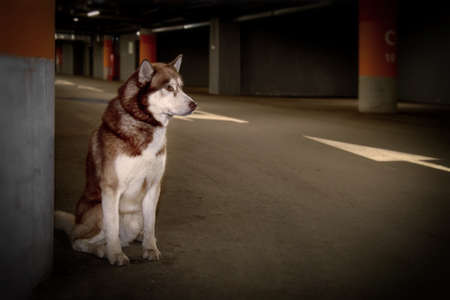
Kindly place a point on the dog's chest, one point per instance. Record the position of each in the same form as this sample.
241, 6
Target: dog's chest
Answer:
132, 170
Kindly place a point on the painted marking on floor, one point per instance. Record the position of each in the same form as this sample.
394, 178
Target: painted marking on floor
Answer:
381, 155
184, 118
203, 115
200, 115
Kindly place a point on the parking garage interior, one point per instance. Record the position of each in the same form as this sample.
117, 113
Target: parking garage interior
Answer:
315, 167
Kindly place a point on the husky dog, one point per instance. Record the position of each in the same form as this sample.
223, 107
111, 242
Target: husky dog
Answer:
125, 164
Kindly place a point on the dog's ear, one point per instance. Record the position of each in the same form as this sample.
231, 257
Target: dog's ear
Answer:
176, 63
145, 72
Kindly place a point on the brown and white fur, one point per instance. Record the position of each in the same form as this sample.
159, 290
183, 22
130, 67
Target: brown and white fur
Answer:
125, 165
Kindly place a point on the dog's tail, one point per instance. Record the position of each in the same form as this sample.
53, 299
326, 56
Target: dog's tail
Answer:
64, 221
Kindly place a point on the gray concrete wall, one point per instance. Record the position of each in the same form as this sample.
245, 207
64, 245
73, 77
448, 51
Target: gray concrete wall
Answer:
128, 53
194, 45
424, 52
67, 61
98, 59
26, 173
310, 53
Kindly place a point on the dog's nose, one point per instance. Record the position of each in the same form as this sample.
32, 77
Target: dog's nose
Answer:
193, 105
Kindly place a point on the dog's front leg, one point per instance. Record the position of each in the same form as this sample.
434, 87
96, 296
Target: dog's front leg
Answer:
149, 205
110, 207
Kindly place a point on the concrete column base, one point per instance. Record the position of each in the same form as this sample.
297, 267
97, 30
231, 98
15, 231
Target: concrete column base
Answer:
26, 172
377, 94
106, 71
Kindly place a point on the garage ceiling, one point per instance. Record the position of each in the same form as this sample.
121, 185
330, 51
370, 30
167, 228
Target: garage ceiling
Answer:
123, 16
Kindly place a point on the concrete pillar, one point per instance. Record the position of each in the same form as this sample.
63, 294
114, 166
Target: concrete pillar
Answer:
27, 143
97, 57
107, 57
128, 53
377, 90
224, 58
147, 45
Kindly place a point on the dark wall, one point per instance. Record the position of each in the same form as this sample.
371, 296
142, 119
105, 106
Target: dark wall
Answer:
311, 53
67, 58
424, 52
78, 58
194, 45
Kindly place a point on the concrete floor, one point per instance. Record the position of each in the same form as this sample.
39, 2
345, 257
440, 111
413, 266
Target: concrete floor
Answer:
257, 211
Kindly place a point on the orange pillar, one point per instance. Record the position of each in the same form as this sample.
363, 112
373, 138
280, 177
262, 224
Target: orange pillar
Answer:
377, 56
147, 46
108, 58
28, 28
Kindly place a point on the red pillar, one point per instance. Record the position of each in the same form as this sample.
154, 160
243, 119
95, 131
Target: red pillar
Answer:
108, 58
377, 55
147, 46
58, 57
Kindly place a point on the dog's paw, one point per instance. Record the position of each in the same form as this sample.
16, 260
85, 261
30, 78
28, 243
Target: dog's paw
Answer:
151, 254
118, 259
100, 251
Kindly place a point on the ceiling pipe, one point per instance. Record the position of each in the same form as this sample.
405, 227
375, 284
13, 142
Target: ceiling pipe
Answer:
181, 27
244, 18
283, 11
72, 37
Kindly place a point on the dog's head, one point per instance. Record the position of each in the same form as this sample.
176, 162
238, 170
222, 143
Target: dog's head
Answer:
157, 90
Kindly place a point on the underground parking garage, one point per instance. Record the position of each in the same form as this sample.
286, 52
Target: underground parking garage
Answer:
316, 165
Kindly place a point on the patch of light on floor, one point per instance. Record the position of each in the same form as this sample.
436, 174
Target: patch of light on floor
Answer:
78, 86
203, 115
63, 82
89, 88
379, 154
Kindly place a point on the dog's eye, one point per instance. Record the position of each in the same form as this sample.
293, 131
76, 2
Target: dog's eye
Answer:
170, 88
